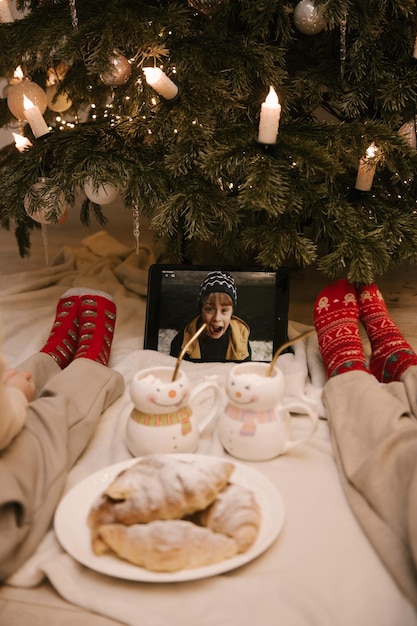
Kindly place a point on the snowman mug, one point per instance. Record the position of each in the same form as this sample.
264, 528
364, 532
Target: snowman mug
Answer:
169, 415
255, 424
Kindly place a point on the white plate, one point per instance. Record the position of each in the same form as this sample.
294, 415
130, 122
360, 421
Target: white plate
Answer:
74, 535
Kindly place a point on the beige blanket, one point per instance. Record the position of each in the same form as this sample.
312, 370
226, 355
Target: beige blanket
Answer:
320, 570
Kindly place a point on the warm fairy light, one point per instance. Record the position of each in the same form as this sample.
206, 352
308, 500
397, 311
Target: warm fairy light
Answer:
371, 151
17, 76
21, 142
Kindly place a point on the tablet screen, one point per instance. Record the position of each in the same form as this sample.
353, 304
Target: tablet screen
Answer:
261, 303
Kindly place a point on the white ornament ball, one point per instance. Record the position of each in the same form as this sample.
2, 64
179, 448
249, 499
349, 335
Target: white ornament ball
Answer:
307, 18
103, 194
32, 91
53, 204
118, 72
59, 104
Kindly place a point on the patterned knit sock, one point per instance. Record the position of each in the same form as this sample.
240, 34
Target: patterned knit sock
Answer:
391, 354
336, 320
97, 315
63, 338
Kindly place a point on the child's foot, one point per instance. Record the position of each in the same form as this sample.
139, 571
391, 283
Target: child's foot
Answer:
63, 338
336, 320
97, 317
391, 354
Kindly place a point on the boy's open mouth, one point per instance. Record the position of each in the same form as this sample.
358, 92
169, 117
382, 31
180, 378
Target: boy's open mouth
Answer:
216, 330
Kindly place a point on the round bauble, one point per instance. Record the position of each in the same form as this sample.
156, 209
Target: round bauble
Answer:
104, 193
32, 91
58, 103
307, 18
46, 204
118, 72
57, 73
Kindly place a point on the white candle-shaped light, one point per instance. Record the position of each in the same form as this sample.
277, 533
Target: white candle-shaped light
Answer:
35, 118
5, 13
21, 142
159, 81
366, 171
269, 120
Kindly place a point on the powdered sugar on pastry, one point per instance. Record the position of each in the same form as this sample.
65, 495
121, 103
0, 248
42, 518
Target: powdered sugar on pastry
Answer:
159, 487
167, 546
234, 513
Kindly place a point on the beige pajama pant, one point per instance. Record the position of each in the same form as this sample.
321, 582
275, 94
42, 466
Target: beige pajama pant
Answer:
34, 468
374, 433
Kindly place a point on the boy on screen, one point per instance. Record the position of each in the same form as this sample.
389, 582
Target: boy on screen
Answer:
226, 337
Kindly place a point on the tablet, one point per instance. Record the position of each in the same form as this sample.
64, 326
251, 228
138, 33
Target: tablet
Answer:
262, 303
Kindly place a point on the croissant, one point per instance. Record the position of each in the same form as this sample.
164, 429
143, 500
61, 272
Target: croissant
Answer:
167, 545
234, 513
158, 487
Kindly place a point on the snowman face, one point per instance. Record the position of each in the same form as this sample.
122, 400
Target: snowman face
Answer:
249, 392
162, 397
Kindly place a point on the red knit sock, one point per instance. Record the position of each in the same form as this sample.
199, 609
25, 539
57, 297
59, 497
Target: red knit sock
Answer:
97, 315
63, 338
336, 320
391, 354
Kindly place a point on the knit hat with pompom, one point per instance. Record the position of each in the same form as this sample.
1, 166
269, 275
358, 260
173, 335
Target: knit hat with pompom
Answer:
216, 282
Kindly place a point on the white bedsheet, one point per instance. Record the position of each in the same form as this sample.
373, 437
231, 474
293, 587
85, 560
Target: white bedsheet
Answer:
321, 569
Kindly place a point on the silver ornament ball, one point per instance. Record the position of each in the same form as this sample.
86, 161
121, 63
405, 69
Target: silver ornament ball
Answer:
307, 18
118, 72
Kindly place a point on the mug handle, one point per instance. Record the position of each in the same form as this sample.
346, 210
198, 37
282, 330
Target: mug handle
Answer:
303, 408
207, 417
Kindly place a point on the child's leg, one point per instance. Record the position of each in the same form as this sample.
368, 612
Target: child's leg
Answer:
336, 320
391, 354
34, 468
374, 435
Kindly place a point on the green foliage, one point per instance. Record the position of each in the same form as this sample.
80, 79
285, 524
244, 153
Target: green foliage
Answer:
193, 165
